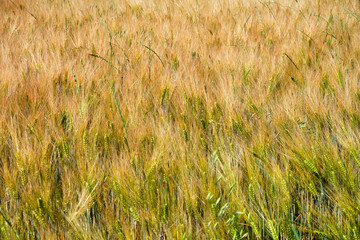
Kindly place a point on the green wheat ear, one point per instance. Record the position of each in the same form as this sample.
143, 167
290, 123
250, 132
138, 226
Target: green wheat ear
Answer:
310, 165
272, 230
252, 193
255, 228
356, 233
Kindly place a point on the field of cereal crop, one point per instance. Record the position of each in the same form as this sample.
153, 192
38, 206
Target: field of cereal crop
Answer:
170, 119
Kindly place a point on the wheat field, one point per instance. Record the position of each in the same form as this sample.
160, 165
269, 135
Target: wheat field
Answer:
187, 119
